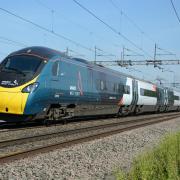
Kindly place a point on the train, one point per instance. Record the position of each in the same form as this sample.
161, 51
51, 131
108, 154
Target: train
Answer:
42, 83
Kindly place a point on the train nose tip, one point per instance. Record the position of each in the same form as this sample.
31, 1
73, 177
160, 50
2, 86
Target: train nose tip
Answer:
11, 102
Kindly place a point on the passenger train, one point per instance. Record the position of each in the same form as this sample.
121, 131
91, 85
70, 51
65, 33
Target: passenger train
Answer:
41, 83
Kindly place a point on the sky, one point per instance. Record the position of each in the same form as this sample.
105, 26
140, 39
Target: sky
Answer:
134, 25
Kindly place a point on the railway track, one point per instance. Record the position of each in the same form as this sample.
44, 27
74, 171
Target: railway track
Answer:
38, 125
71, 137
4, 128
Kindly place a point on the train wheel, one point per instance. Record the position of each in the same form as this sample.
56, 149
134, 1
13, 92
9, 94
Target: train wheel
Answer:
123, 111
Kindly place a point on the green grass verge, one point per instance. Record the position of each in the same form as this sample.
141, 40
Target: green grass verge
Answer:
161, 163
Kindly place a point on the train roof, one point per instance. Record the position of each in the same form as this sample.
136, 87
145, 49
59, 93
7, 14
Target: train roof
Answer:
44, 52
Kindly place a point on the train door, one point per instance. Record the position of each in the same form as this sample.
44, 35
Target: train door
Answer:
134, 94
170, 99
160, 99
54, 78
90, 83
165, 97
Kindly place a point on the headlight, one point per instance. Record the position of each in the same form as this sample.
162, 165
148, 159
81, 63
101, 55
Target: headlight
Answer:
30, 88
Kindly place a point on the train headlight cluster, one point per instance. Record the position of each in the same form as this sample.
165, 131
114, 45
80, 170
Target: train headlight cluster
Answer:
30, 88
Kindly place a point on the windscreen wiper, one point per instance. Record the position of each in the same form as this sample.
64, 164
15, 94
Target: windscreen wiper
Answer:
16, 70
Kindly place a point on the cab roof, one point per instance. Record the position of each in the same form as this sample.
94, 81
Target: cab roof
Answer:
43, 52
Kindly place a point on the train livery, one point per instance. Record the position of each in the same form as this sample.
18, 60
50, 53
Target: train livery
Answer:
41, 83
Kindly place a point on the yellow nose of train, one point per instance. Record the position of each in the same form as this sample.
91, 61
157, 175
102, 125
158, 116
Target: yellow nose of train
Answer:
12, 100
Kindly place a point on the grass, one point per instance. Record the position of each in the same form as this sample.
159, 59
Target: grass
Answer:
161, 163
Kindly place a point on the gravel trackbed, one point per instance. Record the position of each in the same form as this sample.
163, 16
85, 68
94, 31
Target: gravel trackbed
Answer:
91, 160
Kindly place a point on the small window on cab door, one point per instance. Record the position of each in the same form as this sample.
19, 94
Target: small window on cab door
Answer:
55, 69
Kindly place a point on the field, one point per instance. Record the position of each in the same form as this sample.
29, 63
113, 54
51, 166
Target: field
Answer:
161, 163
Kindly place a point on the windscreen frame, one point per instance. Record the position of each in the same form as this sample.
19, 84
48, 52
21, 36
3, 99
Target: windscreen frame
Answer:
38, 70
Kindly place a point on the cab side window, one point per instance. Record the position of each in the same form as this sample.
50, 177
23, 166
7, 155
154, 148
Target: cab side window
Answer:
55, 69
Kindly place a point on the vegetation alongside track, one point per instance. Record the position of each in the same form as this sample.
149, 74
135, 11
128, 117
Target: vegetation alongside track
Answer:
163, 162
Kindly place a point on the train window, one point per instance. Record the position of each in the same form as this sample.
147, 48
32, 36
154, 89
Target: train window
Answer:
149, 93
120, 88
170, 96
159, 93
126, 89
176, 97
55, 69
116, 87
103, 85
142, 92
97, 85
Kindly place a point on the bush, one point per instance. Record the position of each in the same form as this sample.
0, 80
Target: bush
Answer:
162, 163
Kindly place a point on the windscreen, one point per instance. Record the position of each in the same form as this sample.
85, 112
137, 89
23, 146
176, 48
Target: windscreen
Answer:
19, 69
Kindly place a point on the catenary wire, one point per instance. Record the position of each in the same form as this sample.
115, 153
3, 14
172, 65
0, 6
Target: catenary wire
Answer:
173, 6
134, 23
46, 29
82, 27
14, 42
111, 28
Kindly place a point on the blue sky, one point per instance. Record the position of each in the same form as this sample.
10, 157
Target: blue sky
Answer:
142, 22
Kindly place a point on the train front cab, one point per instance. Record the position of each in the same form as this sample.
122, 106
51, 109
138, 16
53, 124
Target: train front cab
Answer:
18, 75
